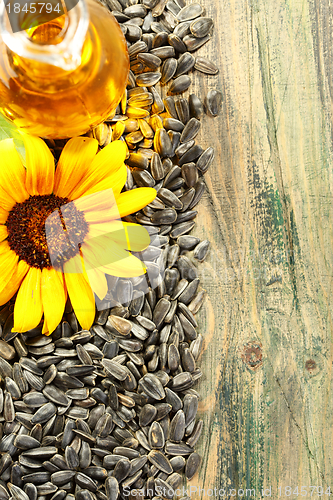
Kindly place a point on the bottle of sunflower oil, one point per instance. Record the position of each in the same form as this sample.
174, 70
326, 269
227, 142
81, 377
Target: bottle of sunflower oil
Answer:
62, 77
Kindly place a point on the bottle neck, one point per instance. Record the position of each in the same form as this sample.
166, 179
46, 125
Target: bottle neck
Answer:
57, 43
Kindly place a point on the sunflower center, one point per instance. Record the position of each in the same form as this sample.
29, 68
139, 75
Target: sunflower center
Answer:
46, 231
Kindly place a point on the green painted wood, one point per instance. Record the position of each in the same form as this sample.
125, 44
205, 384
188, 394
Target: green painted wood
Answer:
267, 321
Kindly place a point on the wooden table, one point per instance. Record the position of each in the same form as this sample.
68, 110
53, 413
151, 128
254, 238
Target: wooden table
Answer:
267, 400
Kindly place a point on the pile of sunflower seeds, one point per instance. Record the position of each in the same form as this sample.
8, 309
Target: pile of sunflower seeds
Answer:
96, 414
111, 412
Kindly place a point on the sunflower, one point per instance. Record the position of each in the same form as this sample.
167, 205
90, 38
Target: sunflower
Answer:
60, 228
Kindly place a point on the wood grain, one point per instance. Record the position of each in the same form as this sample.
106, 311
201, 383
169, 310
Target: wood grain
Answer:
268, 212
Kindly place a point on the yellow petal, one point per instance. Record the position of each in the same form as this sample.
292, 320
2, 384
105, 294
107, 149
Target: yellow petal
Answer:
3, 215
82, 298
96, 202
98, 283
14, 282
73, 165
3, 233
53, 297
129, 267
8, 266
6, 201
132, 201
4, 247
28, 308
45, 329
132, 237
114, 260
105, 165
12, 173
99, 207
94, 184
109, 159
40, 166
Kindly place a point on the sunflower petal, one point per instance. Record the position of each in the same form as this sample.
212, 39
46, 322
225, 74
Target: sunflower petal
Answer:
3, 215
81, 296
3, 233
53, 297
8, 266
132, 237
98, 283
14, 282
45, 329
12, 173
96, 202
109, 159
28, 308
40, 166
105, 165
114, 181
4, 247
115, 260
99, 207
6, 201
132, 201
74, 164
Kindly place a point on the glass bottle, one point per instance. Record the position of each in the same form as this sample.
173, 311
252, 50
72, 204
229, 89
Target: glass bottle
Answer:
64, 77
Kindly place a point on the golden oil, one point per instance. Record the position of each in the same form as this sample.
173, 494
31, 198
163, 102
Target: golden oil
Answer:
52, 101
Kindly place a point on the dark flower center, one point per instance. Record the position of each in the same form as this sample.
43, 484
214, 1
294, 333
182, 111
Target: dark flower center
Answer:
46, 231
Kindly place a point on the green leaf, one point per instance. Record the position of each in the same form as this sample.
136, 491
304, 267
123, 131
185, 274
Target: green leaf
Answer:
9, 131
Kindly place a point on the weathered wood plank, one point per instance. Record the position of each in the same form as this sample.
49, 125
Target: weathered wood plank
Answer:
267, 213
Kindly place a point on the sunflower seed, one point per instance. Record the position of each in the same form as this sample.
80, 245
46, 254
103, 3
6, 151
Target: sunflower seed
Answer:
111, 488
26, 442
122, 325
205, 66
44, 413
135, 11
147, 415
115, 369
201, 27
189, 12
162, 143
6, 350
191, 130
165, 52
122, 469
182, 29
156, 437
72, 458
160, 461
8, 409
170, 199
16, 492
168, 70
171, 6
33, 380
169, 104
55, 395
151, 61
158, 9
42, 453
192, 465
151, 385
62, 477
214, 102
12, 387
164, 487
179, 85
176, 42
173, 357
